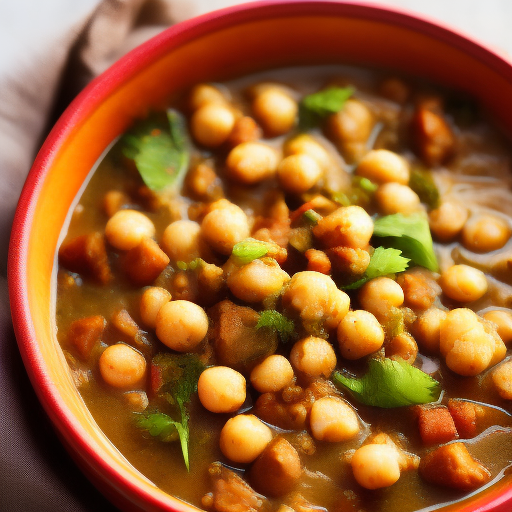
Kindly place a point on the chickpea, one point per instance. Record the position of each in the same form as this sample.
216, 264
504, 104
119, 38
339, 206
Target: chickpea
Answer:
484, 233
121, 366
463, 283
211, 124
316, 297
275, 110
151, 301
402, 346
503, 321
115, 200
396, 198
313, 356
298, 173
466, 345
447, 221
350, 129
204, 94
379, 295
359, 334
340, 304
383, 166
348, 226
502, 380
426, 329
251, 162
181, 240
375, 466
224, 227
304, 144
181, 325
126, 229
500, 349
352, 124
272, 374
256, 281
221, 389
332, 419
244, 437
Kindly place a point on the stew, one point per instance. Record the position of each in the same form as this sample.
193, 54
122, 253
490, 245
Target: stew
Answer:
292, 292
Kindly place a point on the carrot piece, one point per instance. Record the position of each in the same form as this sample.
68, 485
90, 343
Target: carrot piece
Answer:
436, 425
452, 466
125, 323
464, 415
84, 333
86, 255
318, 261
145, 262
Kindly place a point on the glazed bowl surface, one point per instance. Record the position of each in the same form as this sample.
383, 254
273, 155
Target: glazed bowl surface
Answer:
216, 46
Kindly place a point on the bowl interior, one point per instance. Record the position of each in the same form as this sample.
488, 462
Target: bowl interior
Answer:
216, 46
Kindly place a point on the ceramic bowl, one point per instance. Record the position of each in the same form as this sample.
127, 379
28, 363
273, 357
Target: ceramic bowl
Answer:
219, 45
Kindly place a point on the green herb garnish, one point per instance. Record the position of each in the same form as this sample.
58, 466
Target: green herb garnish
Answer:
274, 320
382, 263
191, 265
360, 192
158, 425
248, 250
364, 184
410, 234
341, 198
160, 149
315, 107
390, 383
311, 216
177, 375
422, 182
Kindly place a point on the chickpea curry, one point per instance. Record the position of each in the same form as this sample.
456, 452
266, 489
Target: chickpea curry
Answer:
291, 292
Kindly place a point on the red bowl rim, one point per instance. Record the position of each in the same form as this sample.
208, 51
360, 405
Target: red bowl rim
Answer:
96, 92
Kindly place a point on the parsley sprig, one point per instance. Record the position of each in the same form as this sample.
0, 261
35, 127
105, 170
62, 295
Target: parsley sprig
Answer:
383, 262
178, 374
159, 147
317, 106
390, 383
410, 234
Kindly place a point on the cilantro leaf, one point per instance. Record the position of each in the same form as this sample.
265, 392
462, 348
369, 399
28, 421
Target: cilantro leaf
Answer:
422, 182
382, 263
315, 107
158, 425
178, 374
173, 377
390, 383
274, 320
410, 234
165, 428
159, 148
248, 250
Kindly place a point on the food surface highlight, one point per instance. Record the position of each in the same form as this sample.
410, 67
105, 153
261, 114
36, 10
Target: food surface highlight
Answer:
292, 292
